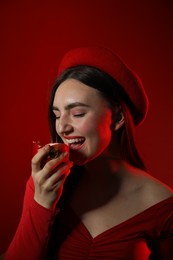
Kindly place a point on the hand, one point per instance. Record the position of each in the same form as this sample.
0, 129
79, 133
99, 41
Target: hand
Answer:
50, 179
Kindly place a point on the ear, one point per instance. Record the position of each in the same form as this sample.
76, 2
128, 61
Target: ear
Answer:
119, 122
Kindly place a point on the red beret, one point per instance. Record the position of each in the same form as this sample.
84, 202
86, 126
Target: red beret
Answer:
112, 64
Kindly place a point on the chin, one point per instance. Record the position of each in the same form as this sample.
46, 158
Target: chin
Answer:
79, 159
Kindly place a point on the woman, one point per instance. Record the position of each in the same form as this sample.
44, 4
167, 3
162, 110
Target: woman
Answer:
100, 204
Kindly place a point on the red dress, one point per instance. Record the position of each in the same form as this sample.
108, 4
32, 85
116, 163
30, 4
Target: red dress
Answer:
148, 235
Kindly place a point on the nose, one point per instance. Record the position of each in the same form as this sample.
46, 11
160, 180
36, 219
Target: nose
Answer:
63, 125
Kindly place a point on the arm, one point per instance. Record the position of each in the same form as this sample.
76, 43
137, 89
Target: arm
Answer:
43, 190
31, 236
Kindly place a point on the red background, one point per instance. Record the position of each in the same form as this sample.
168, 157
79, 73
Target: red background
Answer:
34, 36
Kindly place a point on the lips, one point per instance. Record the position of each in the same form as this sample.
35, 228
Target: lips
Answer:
74, 142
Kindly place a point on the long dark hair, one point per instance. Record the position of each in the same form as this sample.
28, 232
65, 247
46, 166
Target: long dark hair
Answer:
114, 94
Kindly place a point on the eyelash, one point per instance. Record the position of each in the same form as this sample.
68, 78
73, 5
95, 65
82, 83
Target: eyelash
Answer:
75, 115
79, 115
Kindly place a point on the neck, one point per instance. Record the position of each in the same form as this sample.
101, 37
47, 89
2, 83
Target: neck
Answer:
101, 180
103, 169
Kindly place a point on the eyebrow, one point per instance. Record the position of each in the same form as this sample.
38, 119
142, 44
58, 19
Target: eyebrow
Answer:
70, 106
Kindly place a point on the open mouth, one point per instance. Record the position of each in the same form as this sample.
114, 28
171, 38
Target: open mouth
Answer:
75, 143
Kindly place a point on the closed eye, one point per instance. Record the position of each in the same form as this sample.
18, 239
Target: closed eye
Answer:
79, 115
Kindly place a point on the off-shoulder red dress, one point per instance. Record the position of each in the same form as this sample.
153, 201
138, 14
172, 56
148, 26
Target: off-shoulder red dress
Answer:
147, 235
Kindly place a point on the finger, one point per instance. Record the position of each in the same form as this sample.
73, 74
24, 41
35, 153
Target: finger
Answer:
50, 168
59, 175
37, 159
53, 164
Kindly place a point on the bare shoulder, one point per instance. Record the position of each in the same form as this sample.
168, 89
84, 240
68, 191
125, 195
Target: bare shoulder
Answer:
143, 190
153, 190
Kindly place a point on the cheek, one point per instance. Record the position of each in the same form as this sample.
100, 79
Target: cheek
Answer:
104, 136
84, 125
100, 130
88, 129
99, 124
104, 126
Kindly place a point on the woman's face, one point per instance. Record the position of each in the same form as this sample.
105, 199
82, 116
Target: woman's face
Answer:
83, 120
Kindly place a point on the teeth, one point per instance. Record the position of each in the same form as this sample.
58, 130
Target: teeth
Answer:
75, 140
